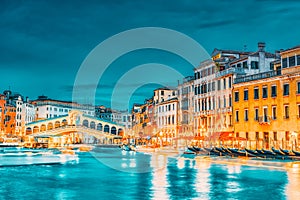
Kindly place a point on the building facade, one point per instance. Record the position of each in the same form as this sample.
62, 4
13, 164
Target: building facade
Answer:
47, 108
267, 105
186, 110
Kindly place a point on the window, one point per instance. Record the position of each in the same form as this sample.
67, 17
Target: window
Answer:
271, 66
229, 81
256, 114
246, 115
298, 86
239, 65
219, 84
286, 89
230, 101
298, 111
275, 136
254, 65
162, 92
224, 83
286, 112
298, 59
256, 135
224, 102
284, 63
246, 94
245, 66
274, 112
265, 92
256, 93
213, 86
273, 91
236, 96
287, 136
237, 116
292, 61
247, 135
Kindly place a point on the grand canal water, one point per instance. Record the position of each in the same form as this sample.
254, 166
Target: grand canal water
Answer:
169, 178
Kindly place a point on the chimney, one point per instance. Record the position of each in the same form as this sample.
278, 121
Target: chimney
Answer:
277, 54
261, 46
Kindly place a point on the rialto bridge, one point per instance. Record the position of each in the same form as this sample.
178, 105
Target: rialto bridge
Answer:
77, 127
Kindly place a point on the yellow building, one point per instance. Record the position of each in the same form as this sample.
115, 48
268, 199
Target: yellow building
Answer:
266, 106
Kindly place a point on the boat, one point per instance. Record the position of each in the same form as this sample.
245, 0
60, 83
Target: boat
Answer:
267, 152
238, 152
192, 149
286, 152
297, 153
8, 144
126, 148
189, 152
222, 151
68, 151
197, 148
253, 153
278, 152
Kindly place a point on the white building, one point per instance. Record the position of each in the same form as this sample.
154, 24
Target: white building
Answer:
48, 108
122, 117
166, 119
186, 107
213, 88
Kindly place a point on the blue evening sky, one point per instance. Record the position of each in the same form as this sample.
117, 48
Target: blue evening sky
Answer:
43, 43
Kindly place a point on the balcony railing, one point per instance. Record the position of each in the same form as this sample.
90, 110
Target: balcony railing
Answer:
257, 76
291, 70
231, 70
264, 120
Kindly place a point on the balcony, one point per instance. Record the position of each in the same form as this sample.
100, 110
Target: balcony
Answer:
231, 70
257, 76
264, 120
291, 70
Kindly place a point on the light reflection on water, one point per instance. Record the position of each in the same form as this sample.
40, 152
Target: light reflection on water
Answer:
170, 178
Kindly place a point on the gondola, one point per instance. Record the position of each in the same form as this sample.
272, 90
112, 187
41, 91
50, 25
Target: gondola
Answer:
230, 152
297, 153
253, 153
286, 152
189, 151
212, 151
222, 152
192, 149
278, 152
267, 152
197, 149
239, 152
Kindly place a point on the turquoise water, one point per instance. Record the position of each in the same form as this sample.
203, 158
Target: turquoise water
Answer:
168, 178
